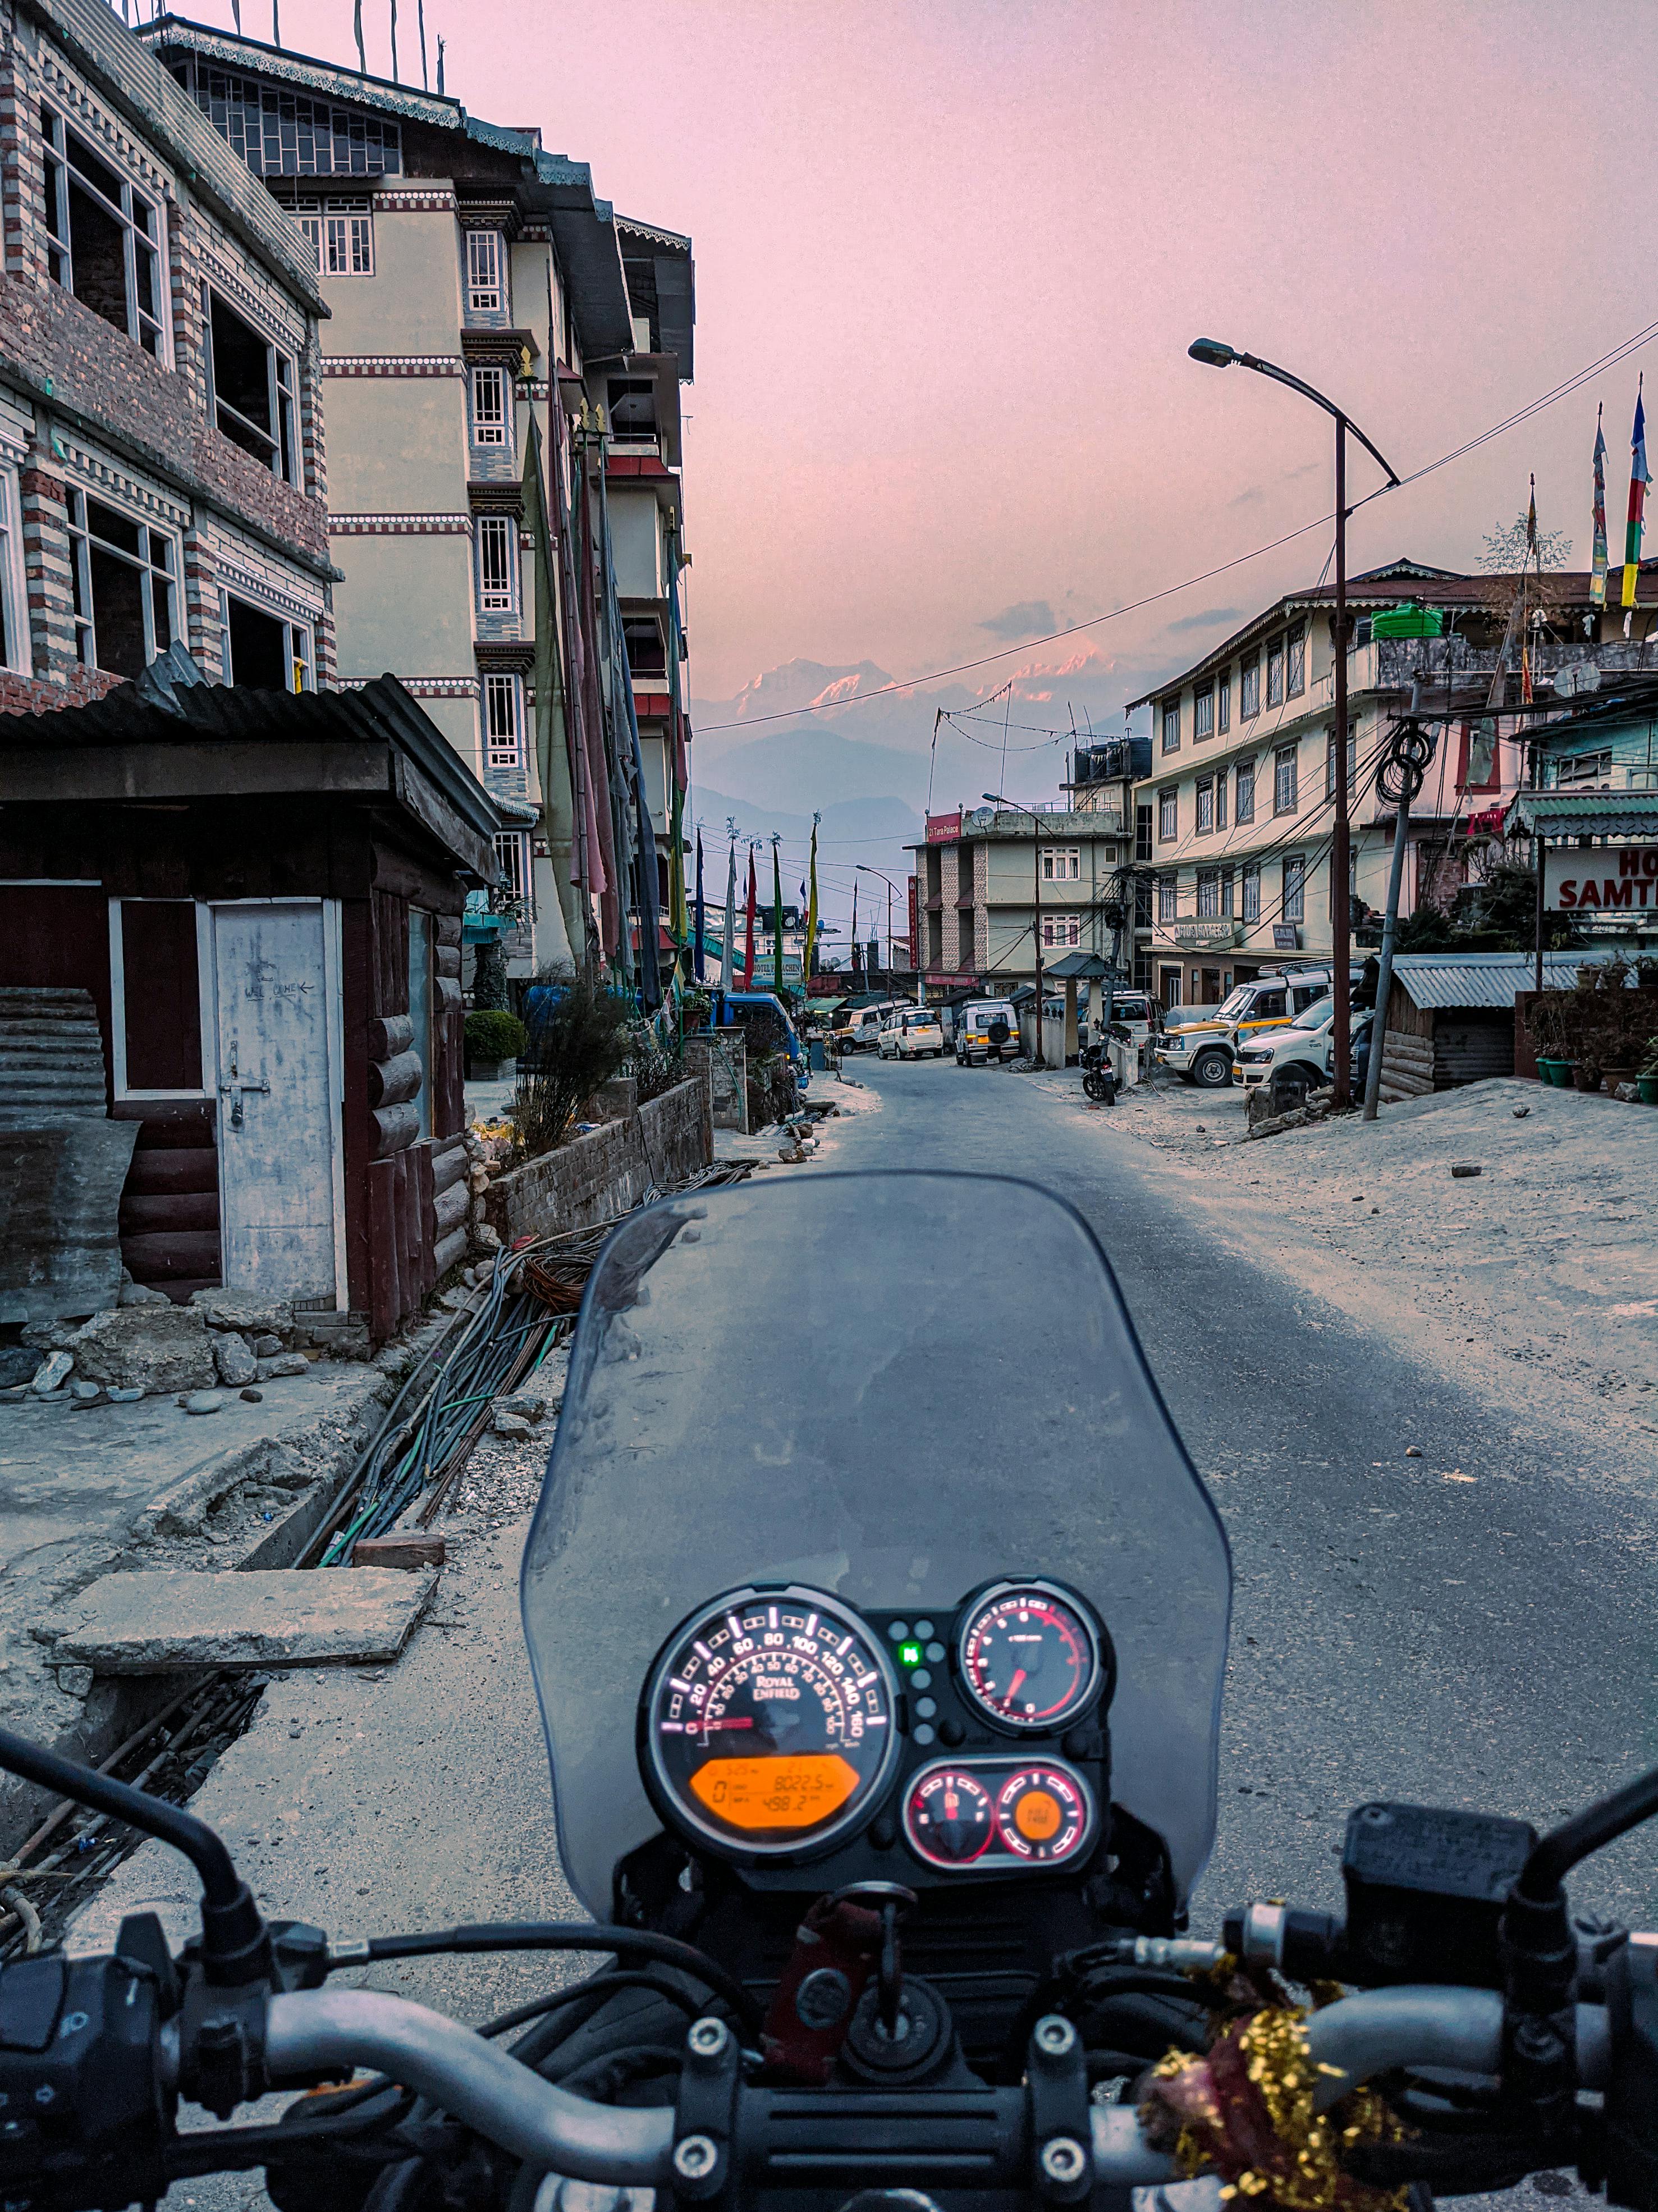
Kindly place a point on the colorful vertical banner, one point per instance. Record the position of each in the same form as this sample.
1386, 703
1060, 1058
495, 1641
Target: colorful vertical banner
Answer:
698, 969
811, 956
776, 922
1638, 481
748, 949
728, 948
1598, 573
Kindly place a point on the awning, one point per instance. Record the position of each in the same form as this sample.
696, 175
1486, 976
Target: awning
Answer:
1582, 814
823, 1005
1078, 968
1463, 980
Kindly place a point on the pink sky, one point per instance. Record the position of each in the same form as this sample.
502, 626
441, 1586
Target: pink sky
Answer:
951, 252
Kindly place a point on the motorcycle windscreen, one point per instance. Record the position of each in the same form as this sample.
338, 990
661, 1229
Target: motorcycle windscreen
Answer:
893, 1387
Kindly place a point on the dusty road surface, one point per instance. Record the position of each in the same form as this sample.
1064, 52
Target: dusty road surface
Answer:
1475, 1626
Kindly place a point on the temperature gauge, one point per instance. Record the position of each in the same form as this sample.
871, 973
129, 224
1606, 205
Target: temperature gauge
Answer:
1029, 1655
949, 1817
1042, 1814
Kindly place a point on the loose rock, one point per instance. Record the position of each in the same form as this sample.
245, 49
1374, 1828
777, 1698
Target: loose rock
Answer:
234, 1362
254, 1397
1412, 1451
19, 1362
528, 1405
266, 1346
1462, 1169
140, 1294
203, 1401
244, 1311
86, 1394
146, 1347
511, 1425
54, 1369
123, 1394
285, 1362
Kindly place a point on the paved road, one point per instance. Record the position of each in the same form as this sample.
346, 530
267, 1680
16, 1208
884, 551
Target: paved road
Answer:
1395, 1634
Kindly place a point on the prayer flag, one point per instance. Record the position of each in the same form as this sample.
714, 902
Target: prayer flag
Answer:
697, 969
809, 961
776, 920
728, 950
748, 949
1638, 481
1598, 575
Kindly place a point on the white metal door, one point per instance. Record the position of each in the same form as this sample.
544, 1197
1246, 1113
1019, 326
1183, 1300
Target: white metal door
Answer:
277, 1092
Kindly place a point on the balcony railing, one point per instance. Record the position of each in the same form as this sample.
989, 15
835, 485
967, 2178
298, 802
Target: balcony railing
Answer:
1398, 662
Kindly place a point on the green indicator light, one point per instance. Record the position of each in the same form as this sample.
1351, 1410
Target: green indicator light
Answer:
909, 1655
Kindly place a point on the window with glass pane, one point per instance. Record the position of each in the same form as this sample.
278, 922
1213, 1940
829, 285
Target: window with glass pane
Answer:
1283, 780
1220, 800
15, 649
1223, 702
1208, 894
1249, 687
1171, 725
1294, 886
1246, 793
502, 740
513, 852
1061, 932
1205, 797
1295, 660
343, 235
251, 388
489, 407
1249, 891
1203, 711
497, 538
1330, 759
123, 588
103, 235
1275, 672
485, 257
1062, 864
1142, 833
1168, 897
1226, 892
1168, 815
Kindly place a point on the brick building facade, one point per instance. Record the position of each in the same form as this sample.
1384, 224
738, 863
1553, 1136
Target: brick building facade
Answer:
162, 474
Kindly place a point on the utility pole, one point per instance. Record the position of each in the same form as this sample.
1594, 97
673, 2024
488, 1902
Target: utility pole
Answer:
996, 800
1409, 755
1213, 354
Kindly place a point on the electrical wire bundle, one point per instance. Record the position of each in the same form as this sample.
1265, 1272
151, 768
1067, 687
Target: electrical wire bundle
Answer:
1407, 757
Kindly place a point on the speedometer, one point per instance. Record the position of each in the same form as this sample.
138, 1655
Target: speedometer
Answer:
768, 1725
1031, 1655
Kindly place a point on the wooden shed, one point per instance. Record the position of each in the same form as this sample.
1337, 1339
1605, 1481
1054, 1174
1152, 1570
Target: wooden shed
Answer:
1450, 1016
261, 895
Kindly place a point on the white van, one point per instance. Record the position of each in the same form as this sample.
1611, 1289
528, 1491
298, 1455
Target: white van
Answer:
862, 1033
912, 1033
986, 1030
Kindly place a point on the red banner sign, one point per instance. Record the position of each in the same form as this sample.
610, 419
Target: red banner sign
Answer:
944, 829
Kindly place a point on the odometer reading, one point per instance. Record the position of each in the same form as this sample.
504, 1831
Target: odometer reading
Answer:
1029, 1656
767, 1722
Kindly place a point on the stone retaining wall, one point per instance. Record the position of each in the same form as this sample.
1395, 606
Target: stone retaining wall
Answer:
603, 1174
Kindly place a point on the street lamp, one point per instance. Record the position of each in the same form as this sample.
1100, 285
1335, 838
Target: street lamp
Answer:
996, 800
863, 869
1215, 355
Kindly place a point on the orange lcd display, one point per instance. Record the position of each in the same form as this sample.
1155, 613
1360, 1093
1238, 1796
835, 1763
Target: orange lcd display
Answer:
794, 1792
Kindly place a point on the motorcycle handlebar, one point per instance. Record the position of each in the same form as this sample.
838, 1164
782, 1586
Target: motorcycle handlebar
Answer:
487, 2090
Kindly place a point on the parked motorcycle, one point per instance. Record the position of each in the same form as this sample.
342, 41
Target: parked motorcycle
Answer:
886, 1781
1099, 1072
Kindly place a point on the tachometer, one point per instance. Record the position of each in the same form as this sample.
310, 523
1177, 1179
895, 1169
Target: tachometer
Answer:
1029, 1655
768, 1722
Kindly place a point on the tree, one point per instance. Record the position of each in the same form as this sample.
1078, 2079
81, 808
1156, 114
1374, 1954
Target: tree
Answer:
1507, 553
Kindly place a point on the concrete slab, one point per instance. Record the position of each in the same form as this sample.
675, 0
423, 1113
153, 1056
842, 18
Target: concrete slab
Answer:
157, 1622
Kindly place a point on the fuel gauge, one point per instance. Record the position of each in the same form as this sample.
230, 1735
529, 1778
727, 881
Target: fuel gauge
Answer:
949, 1819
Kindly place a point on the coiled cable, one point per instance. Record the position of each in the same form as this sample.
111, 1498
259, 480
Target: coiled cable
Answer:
1405, 759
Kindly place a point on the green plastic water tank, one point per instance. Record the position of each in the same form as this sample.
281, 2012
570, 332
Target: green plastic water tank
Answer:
1409, 619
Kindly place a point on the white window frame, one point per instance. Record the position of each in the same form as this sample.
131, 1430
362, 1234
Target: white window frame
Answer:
1295, 660
1294, 906
500, 750
1208, 894
282, 456
299, 642
1061, 932
1203, 803
150, 329
1168, 816
17, 654
121, 1089
1286, 761
492, 395
1246, 779
1203, 711
486, 272
81, 542
500, 599
1169, 723
1223, 702
513, 852
343, 231
1168, 898
1275, 672
1062, 864
1249, 891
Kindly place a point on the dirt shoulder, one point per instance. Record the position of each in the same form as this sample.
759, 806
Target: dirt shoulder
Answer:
1536, 1279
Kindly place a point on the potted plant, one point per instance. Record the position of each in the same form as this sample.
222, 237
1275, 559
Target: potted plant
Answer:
492, 1037
1546, 1024
1646, 1078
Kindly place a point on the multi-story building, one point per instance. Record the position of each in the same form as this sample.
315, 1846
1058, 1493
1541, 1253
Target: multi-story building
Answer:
473, 279
162, 463
988, 877
1233, 824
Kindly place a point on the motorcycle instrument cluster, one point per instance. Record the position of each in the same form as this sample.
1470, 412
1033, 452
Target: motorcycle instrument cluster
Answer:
768, 1722
780, 1725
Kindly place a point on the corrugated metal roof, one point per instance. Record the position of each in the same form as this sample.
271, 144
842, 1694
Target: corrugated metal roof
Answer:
1583, 814
1484, 979
51, 1059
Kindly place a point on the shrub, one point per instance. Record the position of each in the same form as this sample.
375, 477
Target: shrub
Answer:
494, 1034
580, 1040
654, 1067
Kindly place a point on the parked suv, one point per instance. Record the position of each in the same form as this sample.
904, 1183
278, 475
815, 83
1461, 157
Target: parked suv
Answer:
986, 1030
912, 1033
1205, 1046
1294, 1060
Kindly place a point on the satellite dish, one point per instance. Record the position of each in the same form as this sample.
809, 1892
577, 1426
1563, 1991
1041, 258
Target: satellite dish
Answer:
1577, 676
1588, 676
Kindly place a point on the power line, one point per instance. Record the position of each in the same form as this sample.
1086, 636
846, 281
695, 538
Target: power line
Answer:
1610, 360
